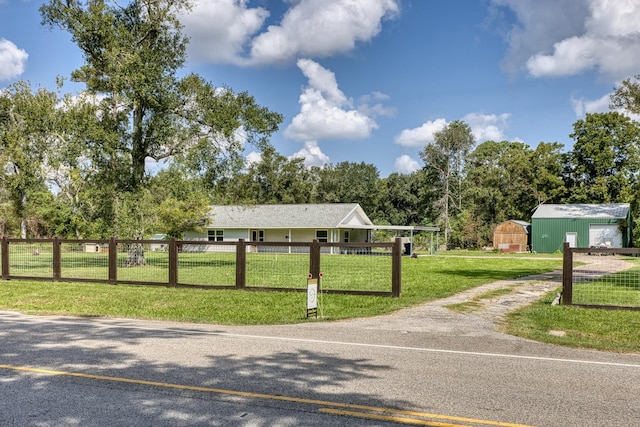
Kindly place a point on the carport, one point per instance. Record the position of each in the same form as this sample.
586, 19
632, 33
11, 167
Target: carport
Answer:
408, 232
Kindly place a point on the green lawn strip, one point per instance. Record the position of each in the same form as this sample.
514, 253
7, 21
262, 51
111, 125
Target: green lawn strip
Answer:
424, 279
608, 330
493, 254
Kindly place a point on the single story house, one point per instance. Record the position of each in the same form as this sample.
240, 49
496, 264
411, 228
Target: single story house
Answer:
512, 236
162, 244
581, 225
330, 222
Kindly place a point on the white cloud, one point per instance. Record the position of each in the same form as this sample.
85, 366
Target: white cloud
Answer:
325, 111
152, 166
539, 24
370, 105
484, 127
582, 106
406, 164
421, 136
220, 30
320, 28
487, 127
253, 158
568, 37
12, 60
312, 155
228, 31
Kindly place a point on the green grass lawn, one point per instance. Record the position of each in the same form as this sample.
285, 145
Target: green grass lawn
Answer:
423, 279
608, 330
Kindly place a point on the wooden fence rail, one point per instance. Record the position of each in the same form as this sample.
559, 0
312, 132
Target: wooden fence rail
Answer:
56, 271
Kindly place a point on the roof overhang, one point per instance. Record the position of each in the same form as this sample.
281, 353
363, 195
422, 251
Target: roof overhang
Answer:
394, 227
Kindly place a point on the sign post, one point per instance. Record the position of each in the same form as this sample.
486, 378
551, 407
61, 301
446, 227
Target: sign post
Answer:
312, 297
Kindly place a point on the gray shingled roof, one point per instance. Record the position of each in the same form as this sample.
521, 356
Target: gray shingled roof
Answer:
611, 210
286, 216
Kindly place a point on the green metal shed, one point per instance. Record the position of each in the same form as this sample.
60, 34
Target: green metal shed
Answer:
582, 225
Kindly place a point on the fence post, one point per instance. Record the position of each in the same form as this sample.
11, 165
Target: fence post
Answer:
113, 261
57, 260
396, 268
173, 262
567, 274
314, 261
241, 264
5, 258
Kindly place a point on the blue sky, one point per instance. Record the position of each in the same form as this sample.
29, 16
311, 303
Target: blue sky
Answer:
372, 80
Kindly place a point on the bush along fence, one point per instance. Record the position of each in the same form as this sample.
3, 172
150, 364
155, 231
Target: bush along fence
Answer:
347, 268
601, 277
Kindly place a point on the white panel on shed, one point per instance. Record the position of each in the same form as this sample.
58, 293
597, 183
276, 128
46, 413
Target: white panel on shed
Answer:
605, 235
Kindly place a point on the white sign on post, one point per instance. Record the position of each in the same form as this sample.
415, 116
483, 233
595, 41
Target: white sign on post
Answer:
312, 297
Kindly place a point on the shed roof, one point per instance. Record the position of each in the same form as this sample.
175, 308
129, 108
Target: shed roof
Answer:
335, 215
524, 224
605, 211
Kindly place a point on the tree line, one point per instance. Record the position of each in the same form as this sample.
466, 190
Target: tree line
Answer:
76, 166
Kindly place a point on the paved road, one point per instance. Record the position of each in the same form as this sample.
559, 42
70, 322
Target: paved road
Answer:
422, 365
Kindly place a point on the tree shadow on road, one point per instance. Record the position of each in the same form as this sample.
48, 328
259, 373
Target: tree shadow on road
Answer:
108, 349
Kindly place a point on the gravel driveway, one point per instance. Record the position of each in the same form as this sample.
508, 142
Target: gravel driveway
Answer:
488, 313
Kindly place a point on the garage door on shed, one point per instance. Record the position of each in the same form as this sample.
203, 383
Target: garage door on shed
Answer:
605, 235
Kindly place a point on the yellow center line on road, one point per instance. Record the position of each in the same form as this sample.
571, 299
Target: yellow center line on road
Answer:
392, 418
323, 403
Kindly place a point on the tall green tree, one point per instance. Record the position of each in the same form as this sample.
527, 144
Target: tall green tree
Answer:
274, 179
499, 179
27, 126
406, 200
70, 174
627, 95
507, 180
603, 164
133, 53
179, 201
444, 161
349, 182
547, 162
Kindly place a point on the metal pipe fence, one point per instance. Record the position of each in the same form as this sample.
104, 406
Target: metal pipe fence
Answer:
601, 277
359, 268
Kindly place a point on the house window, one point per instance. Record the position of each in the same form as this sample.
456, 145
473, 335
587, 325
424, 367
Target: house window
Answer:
322, 236
215, 235
257, 235
346, 237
